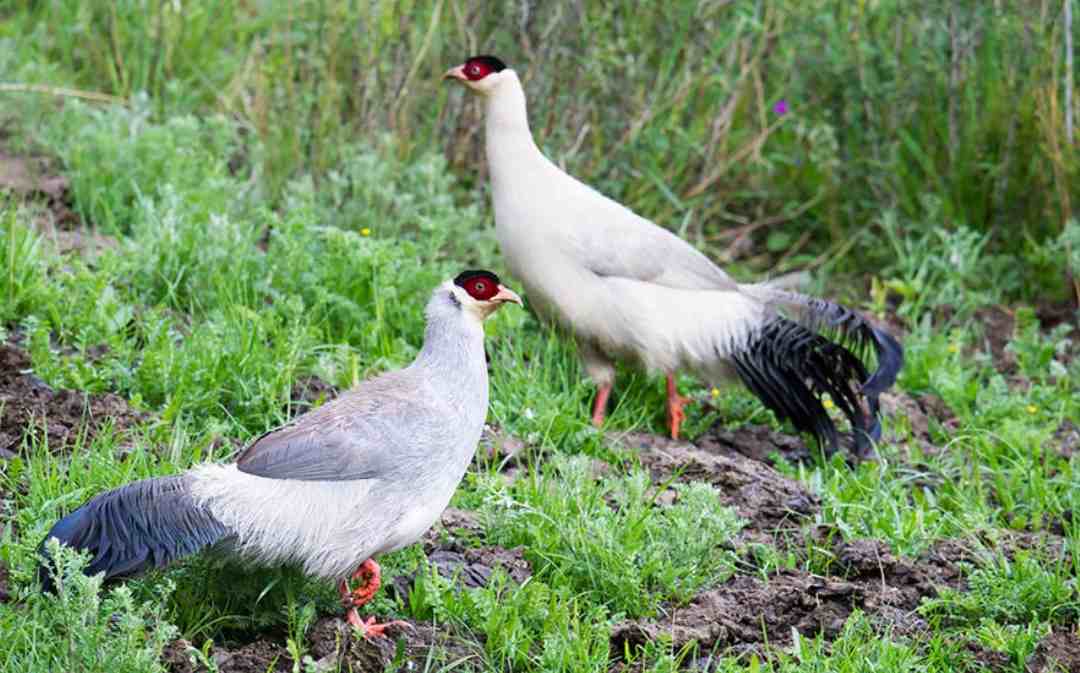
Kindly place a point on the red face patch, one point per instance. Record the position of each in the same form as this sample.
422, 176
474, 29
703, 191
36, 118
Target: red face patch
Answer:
479, 67
481, 288
481, 285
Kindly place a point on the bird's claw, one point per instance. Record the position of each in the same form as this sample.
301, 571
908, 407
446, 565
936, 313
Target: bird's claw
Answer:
369, 629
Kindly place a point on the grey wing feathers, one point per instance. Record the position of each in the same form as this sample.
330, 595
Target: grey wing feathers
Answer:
348, 439
620, 243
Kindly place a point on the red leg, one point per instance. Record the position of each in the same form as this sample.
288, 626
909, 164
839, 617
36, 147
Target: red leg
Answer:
675, 403
600, 405
370, 573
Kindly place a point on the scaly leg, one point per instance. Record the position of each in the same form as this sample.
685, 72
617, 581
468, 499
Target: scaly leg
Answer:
675, 403
600, 405
369, 571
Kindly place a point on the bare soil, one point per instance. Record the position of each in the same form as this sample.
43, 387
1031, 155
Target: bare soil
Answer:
308, 392
29, 405
5, 587
746, 612
1059, 651
332, 646
37, 179
770, 503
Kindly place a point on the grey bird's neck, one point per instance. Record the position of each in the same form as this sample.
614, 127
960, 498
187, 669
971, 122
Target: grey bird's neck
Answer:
452, 356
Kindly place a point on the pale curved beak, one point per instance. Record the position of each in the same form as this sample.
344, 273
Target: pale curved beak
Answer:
505, 294
457, 72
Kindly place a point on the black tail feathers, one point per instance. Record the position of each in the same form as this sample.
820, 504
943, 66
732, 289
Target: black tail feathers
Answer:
790, 365
143, 525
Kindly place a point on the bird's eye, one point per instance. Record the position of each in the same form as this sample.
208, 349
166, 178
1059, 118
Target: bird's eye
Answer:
481, 287
473, 69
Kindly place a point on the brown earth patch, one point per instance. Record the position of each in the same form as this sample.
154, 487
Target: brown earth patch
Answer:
29, 405
770, 503
332, 646
757, 442
257, 657
1066, 439
308, 392
5, 586
37, 179
920, 410
746, 613
998, 324
31, 176
1059, 651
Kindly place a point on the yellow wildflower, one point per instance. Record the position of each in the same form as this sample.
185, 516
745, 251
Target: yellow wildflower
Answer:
365, 232
1031, 409
715, 392
827, 403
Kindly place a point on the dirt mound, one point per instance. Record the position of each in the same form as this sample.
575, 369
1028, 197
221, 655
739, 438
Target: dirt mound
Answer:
1066, 439
747, 612
257, 657
332, 646
757, 442
307, 392
770, 502
1059, 651
28, 404
5, 587
473, 568
920, 410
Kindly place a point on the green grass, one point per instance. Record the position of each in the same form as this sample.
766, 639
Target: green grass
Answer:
286, 183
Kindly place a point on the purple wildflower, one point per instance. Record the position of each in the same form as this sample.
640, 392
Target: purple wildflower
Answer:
780, 108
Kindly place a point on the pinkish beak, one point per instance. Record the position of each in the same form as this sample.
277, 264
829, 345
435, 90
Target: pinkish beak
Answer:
504, 295
457, 72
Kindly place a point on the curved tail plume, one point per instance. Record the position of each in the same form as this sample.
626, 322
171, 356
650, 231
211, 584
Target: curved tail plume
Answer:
791, 363
143, 525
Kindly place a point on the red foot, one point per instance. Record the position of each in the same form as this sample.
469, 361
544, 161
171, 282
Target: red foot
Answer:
600, 405
675, 402
371, 575
368, 628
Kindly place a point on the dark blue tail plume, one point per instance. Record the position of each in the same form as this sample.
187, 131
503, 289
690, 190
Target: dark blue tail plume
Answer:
143, 525
789, 365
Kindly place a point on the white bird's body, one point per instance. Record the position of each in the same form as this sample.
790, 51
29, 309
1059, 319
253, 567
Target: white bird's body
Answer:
628, 289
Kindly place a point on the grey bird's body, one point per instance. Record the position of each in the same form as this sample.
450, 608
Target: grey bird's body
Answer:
630, 290
364, 474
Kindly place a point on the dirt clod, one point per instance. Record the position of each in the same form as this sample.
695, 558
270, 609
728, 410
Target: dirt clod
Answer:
757, 442
1059, 651
769, 501
259, 656
746, 612
1066, 439
920, 410
998, 324
28, 404
309, 391
5, 588
473, 568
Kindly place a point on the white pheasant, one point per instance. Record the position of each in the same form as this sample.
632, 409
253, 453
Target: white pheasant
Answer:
629, 289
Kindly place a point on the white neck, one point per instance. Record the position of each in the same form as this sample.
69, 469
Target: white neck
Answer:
507, 125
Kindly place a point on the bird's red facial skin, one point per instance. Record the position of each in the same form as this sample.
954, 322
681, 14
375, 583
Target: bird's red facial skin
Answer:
476, 70
481, 289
